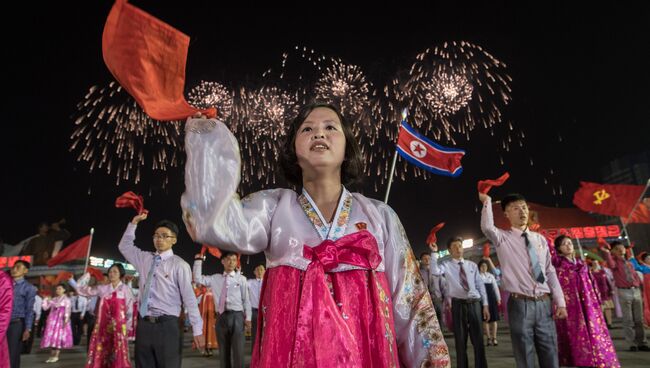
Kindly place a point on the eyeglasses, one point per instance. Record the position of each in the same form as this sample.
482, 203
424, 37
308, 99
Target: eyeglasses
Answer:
164, 237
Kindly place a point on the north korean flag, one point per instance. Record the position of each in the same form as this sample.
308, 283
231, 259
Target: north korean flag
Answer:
427, 154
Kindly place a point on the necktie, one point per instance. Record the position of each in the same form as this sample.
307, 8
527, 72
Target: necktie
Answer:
76, 304
463, 277
223, 295
537, 269
144, 302
628, 272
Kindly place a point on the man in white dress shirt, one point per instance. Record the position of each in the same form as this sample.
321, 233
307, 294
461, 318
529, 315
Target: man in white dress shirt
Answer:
233, 305
466, 293
78, 311
255, 290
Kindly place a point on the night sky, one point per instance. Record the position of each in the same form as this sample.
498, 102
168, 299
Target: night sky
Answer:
580, 78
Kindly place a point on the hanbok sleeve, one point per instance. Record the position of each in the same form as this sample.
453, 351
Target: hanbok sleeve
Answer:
212, 210
47, 303
82, 287
419, 340
129, 299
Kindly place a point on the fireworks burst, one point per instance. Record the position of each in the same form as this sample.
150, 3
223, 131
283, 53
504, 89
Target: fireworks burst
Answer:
453, 88
113, 133
212, 94
260, 118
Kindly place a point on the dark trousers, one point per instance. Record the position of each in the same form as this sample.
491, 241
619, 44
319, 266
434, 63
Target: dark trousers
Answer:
532, 328
156, 343
230, 334
437, 305
468, 320
77, 325
90, 322
254, 327
27, 345
15, 340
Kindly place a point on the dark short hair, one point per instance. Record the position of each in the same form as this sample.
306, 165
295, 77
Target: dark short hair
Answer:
43, 223
425, 254
352, 167
120, 268
454, 239
617, 242
483, 262
228, 254
168, 224
558, 241
25, 263
64, 286
513, 197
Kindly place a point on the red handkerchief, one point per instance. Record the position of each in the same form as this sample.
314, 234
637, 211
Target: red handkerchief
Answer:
432, 238
484, 186
148, 57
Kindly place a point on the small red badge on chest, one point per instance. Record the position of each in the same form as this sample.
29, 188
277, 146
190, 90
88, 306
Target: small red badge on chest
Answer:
361, 226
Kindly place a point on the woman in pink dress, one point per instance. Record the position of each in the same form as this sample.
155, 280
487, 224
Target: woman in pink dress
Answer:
58, 331
109, 346
343, 287
6, 304
583, 338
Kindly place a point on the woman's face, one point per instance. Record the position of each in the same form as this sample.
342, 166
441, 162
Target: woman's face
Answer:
59, 290
113, 274
484, 267
320, 142
566, 247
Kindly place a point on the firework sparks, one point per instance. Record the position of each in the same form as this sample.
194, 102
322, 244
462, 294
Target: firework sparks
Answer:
113, 133
212, 94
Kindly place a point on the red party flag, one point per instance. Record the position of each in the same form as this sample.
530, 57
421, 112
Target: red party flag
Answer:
432, 238
148, 57
76, 250
610, 199
131, 200
96, 273
484, 186
212, 250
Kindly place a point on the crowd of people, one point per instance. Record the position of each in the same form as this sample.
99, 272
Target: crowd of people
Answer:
341, 286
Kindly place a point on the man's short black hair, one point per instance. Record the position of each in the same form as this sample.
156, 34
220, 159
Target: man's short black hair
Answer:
228, 254
168, 224
25, 263
454, 239
617, 242
513, 197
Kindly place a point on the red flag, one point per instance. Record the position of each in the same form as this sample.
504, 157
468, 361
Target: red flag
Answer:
148, 57
96, 273
76, 250
609, 199
212, 250
131, 200
63, 276
640, 215
484, 186
432, 238
427, 154
602, 243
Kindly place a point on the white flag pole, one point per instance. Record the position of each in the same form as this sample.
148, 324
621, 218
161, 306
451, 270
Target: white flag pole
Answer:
392, 167
90, 243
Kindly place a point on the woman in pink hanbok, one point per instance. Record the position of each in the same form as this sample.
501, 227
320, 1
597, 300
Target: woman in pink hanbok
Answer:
58, 331
6, 304
583, 338
343, 287
109, 346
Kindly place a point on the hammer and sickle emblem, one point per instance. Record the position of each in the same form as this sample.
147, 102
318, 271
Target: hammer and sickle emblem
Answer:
600, 195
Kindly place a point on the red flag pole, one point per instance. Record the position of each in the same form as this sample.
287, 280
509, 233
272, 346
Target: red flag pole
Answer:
90, 243
392, 167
